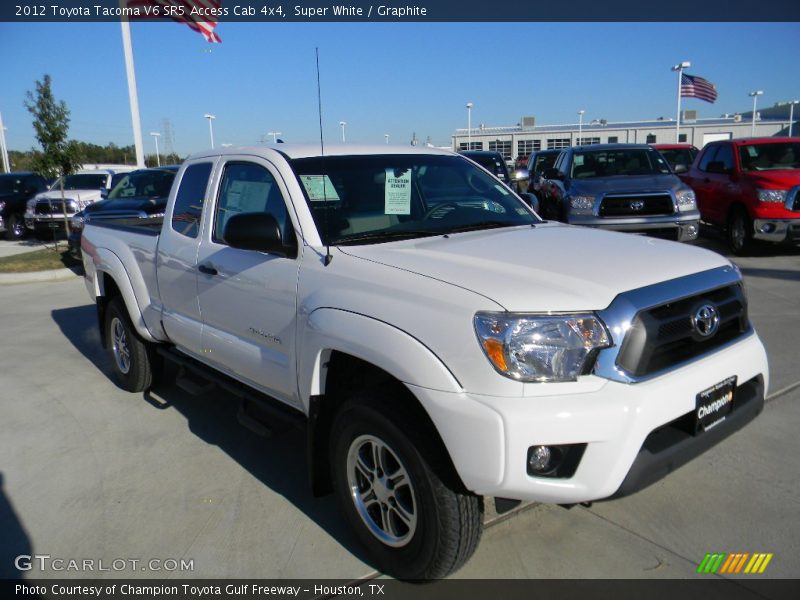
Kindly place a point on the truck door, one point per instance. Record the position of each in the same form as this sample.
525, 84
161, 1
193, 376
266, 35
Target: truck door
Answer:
248, 298
177, 259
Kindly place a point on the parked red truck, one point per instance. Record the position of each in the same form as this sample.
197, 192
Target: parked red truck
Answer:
751, 188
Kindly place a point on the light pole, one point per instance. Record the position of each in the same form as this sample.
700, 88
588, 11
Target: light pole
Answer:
469, 125
791, 115
210, 118
3, 147
679, 68
343, 124
386, 137
580, 125
156, 135
755, 96
274, 135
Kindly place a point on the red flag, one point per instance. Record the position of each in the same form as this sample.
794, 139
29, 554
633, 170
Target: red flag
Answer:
200, 15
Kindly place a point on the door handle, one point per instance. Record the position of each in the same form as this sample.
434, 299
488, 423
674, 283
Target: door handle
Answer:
208, 270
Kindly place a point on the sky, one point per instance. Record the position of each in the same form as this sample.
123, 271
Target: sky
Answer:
381, 78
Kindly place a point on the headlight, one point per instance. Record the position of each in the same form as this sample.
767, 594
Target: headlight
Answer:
31, 204
581, 205
772, 195
84, 203
686, 200
2, 205
529, 347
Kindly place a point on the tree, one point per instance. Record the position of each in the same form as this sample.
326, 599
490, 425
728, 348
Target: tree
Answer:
59, 156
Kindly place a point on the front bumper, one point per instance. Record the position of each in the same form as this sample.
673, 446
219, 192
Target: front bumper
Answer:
488, 438
685, 226
777, 230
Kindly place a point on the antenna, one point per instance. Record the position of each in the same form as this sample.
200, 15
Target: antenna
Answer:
328, 257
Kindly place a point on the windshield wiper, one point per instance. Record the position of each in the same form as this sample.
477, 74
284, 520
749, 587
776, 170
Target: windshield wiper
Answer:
482, 225
372, 236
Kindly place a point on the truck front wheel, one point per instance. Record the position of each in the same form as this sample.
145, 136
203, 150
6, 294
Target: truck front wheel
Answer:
131, 359
740, 232
413, 525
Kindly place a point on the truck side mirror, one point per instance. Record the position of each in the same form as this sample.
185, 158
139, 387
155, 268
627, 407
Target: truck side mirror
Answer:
680, 168
257, 231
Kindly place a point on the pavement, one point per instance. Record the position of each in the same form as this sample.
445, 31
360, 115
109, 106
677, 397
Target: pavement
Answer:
88, 471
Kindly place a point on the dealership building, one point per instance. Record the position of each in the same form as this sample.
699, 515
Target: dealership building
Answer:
527, 136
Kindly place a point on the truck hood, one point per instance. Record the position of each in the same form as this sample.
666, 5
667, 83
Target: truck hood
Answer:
551, 267
782, 179
625, 184
78, 195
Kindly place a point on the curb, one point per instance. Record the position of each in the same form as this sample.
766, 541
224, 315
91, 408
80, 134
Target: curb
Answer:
37, 276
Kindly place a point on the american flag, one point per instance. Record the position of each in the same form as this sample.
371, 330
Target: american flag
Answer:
181, 11
693, 86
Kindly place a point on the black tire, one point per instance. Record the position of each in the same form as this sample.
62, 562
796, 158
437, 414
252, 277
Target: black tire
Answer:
740, 232
132, 359
427, 529
15, 228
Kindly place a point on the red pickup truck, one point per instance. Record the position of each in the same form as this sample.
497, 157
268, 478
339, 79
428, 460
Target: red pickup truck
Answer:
751, 188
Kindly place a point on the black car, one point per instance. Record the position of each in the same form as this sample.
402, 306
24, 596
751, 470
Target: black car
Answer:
491, 161
15, 191
138, 196
538, 162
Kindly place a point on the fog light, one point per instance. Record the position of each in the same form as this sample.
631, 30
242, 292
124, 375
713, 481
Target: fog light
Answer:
691, 230
767, 228
557, 462
539, 458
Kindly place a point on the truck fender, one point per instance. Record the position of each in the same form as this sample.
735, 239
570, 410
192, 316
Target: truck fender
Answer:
378, 343
109, 264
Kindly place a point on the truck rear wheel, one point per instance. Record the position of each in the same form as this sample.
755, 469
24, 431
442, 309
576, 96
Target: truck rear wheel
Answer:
15, 228
413, 525
130, 355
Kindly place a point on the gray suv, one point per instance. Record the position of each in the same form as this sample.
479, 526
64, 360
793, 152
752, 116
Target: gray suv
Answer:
625, 187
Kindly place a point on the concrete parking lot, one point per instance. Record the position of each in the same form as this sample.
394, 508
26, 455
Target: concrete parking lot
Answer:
88, 471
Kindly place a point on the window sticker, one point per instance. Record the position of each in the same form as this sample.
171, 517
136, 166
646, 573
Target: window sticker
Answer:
319, 188
752, 151
397, 192
578, 160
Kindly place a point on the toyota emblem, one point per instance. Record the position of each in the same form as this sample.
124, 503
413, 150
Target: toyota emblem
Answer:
637, 205
705, 320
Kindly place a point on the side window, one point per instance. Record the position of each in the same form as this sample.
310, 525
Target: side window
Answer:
248, 188
725, 156
708, 155
189, 199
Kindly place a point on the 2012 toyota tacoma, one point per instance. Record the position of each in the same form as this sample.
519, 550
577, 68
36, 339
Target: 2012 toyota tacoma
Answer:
388, 301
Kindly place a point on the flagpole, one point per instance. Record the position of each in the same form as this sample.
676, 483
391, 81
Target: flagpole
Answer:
132, 94
679, 68
4, 148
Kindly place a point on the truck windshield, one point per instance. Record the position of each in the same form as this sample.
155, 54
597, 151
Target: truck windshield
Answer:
370, 199
770, 157
147, 184
82, 181
609, 163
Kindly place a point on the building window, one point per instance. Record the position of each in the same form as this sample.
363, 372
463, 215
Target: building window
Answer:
681, 138
558, 143
528, 147
470, 146
585, 141
613, 139
503, 147
651, 138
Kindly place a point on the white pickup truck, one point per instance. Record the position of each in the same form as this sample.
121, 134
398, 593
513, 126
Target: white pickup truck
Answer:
436, 339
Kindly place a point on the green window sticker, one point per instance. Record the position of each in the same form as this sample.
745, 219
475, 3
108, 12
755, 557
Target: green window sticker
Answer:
319, 188
397, 192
